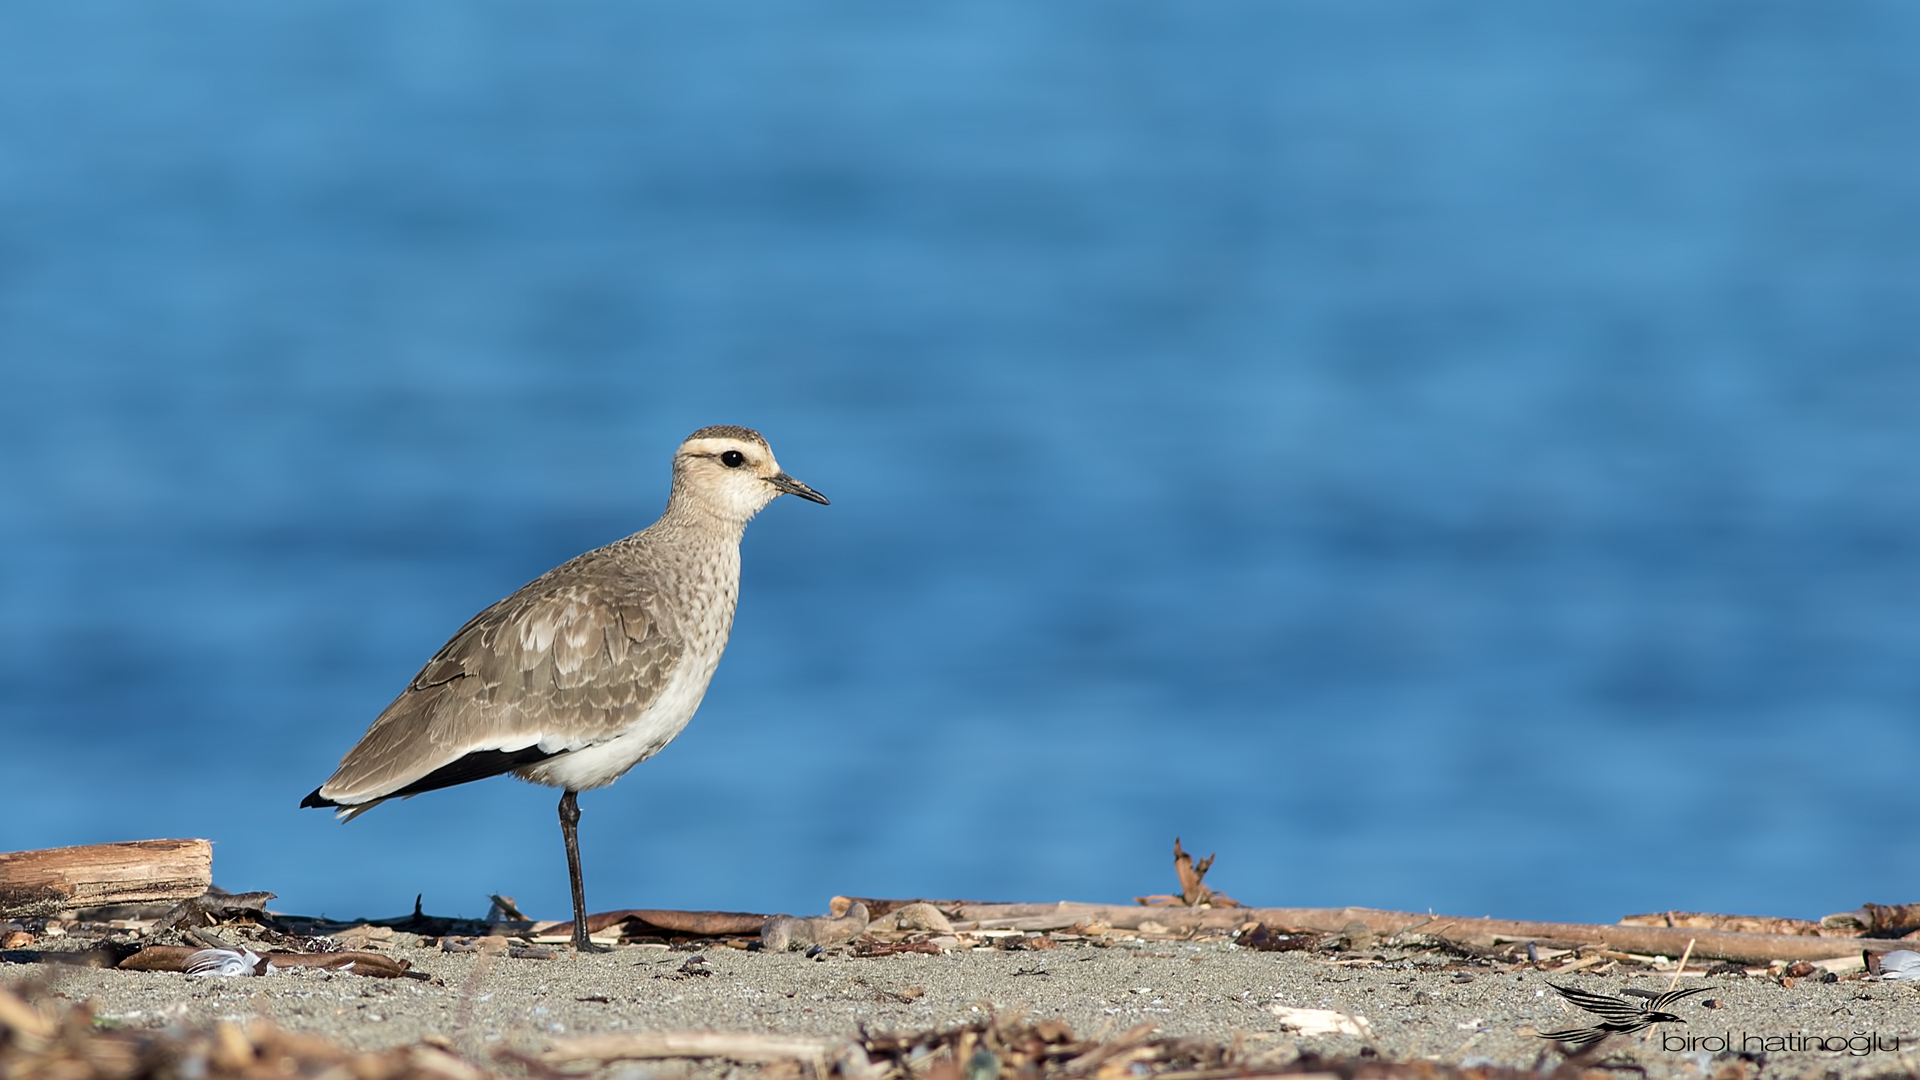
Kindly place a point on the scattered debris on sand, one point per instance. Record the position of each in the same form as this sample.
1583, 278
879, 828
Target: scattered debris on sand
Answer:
46, 1039
217, 936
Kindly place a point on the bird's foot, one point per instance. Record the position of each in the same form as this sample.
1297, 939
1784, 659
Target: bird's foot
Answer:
582, 945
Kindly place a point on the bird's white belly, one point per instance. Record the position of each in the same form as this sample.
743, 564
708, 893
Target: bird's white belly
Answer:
600, 764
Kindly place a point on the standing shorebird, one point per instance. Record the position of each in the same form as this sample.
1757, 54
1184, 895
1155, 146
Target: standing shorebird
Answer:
588, 669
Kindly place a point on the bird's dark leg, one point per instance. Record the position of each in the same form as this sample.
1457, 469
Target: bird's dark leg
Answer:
570, 832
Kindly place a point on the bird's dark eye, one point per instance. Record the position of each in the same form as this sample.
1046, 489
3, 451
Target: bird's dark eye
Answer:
732, 459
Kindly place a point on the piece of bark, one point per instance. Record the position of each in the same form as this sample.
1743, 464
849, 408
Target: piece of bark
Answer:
359, 963
51, 880
211, 908
742, 1046
159, 958
1665, 941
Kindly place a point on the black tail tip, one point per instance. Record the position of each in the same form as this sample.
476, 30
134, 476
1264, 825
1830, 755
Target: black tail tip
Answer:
315, 799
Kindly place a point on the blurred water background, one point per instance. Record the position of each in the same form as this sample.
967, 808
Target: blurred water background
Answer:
1440, 456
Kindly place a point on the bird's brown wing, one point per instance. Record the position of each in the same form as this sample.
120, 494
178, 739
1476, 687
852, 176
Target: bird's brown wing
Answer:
567, 661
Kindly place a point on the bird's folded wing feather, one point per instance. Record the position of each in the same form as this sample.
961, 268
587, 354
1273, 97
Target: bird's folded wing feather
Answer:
566, 662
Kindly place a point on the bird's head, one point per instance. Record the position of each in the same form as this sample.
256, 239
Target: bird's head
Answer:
730, 472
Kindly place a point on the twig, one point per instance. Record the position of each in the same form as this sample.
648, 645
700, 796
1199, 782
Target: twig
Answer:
1683, 965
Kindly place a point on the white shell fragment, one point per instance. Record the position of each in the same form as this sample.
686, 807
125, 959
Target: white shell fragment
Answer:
1900, 964
226, 963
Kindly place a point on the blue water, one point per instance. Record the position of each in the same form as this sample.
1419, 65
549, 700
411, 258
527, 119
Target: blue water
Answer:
1436, 456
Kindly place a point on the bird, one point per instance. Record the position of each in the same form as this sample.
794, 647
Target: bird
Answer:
588, 669
1619, 1016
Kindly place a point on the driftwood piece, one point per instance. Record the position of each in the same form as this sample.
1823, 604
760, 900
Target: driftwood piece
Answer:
174, 958
743, 1046
1743, 924
878, 907
1193, 887
51, 880
660, 922
1880, 920
1658, 940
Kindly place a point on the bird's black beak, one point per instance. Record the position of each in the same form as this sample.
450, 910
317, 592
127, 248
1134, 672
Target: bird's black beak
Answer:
790, 486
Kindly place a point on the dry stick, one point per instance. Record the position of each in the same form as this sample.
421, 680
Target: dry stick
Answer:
1677, 972
1647, 1036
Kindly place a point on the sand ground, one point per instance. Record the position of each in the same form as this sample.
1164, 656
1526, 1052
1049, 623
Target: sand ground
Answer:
1416, 1005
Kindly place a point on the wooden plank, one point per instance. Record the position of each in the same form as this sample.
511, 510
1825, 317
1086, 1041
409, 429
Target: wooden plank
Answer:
51, 880
1657, 940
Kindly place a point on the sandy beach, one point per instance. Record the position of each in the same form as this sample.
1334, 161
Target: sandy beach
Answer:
1406, 1004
